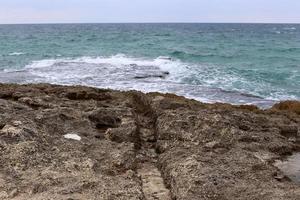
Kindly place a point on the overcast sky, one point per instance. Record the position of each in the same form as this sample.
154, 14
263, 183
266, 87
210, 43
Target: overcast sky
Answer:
67, 11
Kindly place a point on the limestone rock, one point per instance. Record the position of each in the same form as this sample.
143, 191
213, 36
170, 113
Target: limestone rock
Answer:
140, 146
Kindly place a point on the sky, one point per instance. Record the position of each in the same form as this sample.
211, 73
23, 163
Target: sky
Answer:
115, 11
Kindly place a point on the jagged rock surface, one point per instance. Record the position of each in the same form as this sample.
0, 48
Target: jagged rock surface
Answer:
140, 146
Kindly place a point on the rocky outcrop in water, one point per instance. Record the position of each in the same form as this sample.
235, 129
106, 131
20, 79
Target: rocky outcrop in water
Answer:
61, 142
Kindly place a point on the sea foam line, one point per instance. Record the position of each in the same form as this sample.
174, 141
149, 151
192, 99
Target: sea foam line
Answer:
204, 75
16, 53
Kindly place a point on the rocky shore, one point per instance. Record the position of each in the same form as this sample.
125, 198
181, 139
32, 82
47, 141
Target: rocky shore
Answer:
59, 142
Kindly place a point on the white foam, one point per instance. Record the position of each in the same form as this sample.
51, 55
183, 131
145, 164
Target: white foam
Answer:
113, 64
289, 28
164, 58
43, 63
12, 70
16, 53
119, 72
117, 60
72, 137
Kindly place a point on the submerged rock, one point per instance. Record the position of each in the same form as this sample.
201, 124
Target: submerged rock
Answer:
141, 146
154, 75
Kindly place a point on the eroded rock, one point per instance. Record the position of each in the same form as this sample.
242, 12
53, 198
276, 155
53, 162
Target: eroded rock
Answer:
140, 146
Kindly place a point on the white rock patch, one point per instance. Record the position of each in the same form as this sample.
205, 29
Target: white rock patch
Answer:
72, 137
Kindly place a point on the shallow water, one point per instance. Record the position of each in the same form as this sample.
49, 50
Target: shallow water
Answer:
291, 167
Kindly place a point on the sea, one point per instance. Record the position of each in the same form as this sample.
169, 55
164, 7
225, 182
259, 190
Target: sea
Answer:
255, 64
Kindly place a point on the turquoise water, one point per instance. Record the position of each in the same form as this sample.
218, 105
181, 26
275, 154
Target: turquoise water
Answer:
235, 63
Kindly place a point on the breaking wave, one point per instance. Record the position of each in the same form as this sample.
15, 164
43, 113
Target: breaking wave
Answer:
16, 53
205, 82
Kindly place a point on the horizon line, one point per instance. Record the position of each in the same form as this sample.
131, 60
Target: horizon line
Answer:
49, 23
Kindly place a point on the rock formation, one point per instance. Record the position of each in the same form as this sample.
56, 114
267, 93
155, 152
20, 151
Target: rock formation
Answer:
59, 142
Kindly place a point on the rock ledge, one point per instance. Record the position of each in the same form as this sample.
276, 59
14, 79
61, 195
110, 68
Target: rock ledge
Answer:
140, 146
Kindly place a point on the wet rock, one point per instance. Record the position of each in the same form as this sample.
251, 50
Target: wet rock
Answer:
144, 76
292, 106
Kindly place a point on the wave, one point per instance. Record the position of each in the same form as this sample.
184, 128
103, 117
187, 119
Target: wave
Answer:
280, 50
290, 28
189, 54
182, 54
16, 54
205, 82
118, 60
163, 34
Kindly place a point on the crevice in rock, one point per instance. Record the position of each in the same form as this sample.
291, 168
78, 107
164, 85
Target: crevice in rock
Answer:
153, 183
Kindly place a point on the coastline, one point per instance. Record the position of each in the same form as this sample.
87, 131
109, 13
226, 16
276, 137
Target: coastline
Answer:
131, 145
229, 63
